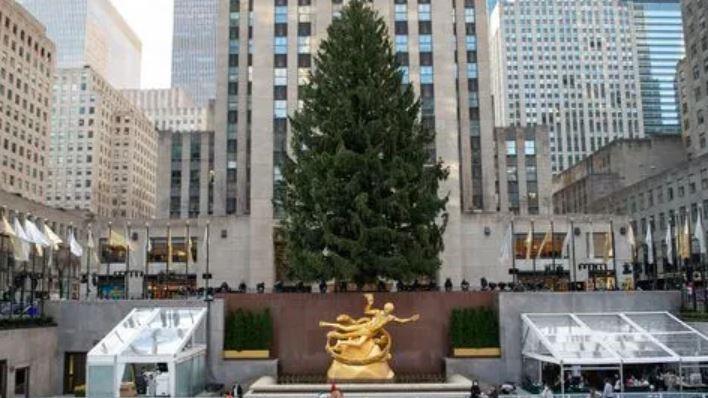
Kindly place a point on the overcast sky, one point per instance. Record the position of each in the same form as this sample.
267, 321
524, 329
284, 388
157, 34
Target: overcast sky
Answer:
152, 21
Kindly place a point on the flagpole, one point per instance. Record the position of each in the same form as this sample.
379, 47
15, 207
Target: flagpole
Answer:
655, 266
208, 239
44, 270
530, 249
512, 242
108, 245
88, 264
34, 266
67, 266
147, 258
188, 249
126, 279
169, 249
572, 244
553, 246
614, 252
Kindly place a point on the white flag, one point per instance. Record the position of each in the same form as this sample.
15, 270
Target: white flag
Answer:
20, 243
35, 235
74, 246
669, 246
631, 240
6, 228
505, 249
54, 240
650, 244
699, 235
566, 244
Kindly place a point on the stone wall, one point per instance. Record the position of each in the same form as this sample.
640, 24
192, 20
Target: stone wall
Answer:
419, 347
30, 348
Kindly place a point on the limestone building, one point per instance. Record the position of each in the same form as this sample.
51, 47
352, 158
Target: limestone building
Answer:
613, 168
103, 149
693, 78
570, 65
185, 158
27, 60
523, 170
91, 32
265, 51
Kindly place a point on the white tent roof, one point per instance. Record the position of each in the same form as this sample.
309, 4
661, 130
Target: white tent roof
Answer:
151, 335
611, 338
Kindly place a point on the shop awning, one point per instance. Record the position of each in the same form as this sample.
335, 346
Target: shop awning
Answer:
611, 338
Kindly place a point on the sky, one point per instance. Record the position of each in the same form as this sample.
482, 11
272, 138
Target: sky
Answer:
152, 22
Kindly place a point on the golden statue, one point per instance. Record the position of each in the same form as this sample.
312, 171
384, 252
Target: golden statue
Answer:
361, 348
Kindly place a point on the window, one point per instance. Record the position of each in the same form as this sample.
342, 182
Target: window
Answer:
511, 148
426, 75
530, 147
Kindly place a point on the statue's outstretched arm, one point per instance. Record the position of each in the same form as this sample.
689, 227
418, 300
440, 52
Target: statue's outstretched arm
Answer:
406, 320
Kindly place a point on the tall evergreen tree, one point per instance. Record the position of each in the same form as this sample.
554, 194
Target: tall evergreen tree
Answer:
361, 196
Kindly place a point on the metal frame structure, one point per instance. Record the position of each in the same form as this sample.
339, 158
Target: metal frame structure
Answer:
612, 340
146, 336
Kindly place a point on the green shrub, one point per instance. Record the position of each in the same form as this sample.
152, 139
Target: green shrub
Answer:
247, 330
80, 391
474, 328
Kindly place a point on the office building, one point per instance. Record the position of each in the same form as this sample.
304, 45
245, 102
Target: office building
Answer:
260, 66
572, 66
613, 168
658, 30
185, 151
171, 109
523, 170
103, 149
194, 48
91, 32
693, 78
27, 59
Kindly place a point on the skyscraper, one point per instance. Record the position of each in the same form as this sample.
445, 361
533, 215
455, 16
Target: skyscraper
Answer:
91, 32
103, 149
27, 59
693, 78
570, 65
265, 53
194, 48
659, 35
185, 151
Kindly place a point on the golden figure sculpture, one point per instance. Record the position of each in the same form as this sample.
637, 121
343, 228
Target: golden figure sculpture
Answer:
361, 348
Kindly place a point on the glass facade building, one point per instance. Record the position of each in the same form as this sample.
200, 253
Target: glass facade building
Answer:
659, 35
194, 48
91, 32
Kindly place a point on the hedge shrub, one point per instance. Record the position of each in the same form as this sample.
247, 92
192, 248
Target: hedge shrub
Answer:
474, 328
248, 330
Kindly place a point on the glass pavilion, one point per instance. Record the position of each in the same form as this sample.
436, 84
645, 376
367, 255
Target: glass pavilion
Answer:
612, 342
150, 336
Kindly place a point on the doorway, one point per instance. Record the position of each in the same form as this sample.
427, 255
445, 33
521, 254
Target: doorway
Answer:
22, 384
74, 371
3, 379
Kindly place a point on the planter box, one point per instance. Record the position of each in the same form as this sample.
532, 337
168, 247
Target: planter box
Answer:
247, 354
487, 352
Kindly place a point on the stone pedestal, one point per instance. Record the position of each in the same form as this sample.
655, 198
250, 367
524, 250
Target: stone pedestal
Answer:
455, 387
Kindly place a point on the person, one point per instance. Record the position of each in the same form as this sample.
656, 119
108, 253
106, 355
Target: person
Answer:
547, 392
593, 393
618, 384
475, 392
335, 392
608, 390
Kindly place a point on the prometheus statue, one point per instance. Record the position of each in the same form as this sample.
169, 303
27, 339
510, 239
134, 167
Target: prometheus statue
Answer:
361, 348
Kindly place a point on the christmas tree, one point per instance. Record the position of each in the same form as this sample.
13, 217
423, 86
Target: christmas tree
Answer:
361, 194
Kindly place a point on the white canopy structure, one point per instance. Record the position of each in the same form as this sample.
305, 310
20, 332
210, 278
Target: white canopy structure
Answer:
150, 336
612, 340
